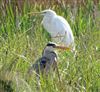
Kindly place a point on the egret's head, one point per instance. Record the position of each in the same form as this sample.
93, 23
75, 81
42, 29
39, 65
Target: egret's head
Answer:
48, 12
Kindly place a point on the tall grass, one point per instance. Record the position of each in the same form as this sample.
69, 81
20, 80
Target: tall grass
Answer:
22, 39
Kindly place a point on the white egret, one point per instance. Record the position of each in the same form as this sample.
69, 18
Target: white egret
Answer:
58, 28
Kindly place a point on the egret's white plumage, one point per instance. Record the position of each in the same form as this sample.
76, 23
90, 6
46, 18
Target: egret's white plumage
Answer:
58, 28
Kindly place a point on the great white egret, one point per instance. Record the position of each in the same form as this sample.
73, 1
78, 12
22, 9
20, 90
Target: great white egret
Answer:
58, 28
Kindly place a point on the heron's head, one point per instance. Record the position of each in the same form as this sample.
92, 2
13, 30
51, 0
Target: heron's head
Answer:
48, 12
49, 47
51, 44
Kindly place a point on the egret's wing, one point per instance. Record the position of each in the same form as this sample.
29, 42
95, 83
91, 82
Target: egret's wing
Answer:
61, 24
63, 27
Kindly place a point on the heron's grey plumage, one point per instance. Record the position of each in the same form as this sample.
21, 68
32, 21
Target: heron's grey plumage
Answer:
46, 62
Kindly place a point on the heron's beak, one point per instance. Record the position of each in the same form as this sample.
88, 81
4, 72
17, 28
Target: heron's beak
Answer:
63, 48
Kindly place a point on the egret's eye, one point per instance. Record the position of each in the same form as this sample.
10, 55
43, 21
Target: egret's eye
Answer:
44, 12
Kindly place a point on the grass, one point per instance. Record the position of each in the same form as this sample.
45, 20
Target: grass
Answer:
23, 39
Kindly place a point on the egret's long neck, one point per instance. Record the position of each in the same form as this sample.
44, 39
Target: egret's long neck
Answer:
48, 19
